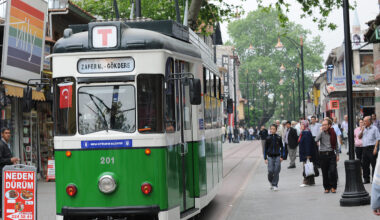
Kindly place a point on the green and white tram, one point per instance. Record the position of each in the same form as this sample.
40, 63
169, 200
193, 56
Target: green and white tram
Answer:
137, 122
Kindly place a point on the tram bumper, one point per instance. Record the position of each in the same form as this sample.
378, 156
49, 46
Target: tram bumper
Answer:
123, 211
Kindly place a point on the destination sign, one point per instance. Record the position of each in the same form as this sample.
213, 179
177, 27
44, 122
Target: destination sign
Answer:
106, 65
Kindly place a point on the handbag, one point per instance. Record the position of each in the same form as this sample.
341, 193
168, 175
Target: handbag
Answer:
309, 168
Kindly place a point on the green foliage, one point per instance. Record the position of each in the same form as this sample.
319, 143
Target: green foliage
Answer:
211, 11
310, 8
261, 29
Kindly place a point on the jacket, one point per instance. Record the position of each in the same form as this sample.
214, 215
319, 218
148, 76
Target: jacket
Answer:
292, 138
307, 147
5, 155
274, 146
263, 134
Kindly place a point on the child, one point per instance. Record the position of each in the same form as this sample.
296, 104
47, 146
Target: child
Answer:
273, 155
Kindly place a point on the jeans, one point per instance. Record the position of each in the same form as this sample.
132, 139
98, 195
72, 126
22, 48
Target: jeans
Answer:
292, 156
274, 168
329, 170
368, 159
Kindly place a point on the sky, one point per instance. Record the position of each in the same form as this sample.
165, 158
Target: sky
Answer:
367, 10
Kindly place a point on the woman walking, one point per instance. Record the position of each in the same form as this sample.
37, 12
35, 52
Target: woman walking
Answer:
307, 150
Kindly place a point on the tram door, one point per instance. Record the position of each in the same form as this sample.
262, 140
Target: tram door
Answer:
187, 175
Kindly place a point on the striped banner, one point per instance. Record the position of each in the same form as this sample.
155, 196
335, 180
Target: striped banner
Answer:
24, 38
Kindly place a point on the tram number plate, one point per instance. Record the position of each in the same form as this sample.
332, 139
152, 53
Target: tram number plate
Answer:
107, 160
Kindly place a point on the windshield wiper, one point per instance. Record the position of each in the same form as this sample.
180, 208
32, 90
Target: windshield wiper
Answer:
97, 106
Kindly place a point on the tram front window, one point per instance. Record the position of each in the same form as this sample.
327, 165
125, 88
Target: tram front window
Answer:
106, 108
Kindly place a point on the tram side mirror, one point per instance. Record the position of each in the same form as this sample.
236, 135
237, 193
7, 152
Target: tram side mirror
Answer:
27, 100
195, 91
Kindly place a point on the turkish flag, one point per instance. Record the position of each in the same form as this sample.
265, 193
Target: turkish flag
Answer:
65, 95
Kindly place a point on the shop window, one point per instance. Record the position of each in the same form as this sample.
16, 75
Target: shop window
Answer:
150, 103
170, 120
65, 106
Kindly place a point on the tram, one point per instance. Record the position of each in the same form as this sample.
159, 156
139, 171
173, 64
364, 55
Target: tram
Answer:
138, 116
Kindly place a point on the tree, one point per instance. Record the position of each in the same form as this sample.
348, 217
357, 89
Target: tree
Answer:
310, 8
203, 14
261, 29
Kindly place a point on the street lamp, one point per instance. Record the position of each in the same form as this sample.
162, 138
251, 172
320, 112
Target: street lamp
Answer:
294, 104
354, 192
279, 46
282, 68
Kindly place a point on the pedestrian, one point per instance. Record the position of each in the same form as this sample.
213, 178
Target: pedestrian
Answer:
338, 133
298, 127
358, 142
328, 156
229, 134
307, 150
375, 121
273, 155
370, 136
251, 132
291, 140
6, 157
263, 137
315, 127
345, 131
241, 133
280, 128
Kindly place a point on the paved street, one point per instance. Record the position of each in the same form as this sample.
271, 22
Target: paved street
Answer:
245, 192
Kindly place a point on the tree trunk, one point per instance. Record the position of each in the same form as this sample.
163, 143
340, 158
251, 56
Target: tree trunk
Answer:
194, 9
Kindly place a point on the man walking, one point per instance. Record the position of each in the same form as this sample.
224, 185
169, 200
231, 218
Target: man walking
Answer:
370, 138
291, 142
338, 133
375, 121
328, 156
5, 153
273, 155
345, 131
263, 136
315, 127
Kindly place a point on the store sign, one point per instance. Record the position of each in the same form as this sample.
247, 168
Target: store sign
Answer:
19, 193
50, 170
110, 65
24, 39
334, 104
104, 36
339, 82
329, 72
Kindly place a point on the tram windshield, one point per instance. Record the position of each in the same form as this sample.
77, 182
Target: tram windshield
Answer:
106, 108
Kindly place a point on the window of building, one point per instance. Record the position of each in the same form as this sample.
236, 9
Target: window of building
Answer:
366, 63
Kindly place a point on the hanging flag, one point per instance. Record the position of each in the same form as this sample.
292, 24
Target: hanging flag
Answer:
65, 95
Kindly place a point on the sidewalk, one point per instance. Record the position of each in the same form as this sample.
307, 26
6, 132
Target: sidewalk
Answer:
292, 202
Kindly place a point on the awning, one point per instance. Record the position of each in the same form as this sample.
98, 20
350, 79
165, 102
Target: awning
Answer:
18, 92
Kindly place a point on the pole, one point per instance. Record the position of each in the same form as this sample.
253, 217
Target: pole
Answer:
138, 8
236, 133
303, 81
299, 91
294, 104
116, 9
247, 100
354, 192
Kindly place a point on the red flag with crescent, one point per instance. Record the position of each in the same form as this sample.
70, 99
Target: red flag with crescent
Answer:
65, 95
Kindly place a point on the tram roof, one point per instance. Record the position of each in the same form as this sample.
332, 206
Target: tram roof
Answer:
130, 39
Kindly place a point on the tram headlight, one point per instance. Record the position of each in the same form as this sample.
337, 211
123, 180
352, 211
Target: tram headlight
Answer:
107, 184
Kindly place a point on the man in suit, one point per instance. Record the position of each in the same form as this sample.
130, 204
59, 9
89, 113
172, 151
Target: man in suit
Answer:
5, 153
291, 142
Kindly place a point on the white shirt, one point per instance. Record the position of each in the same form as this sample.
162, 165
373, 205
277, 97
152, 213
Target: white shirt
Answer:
298, 128
370, 136
315, 129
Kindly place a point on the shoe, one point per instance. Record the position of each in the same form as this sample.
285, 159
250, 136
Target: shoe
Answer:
333, 190
291, 167
275, 188
303, 185
327, 190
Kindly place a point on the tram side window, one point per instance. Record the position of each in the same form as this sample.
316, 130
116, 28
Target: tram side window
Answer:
207, 102
150, 103
65, 106
170, 121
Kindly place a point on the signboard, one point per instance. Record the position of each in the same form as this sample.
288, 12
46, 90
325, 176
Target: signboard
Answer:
104, 36
110, 65
329, 72
19, 192
334, 104
24, 39
106, 144
50, 170
339, 82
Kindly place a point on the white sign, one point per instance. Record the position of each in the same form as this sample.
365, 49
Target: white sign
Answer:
111, 65
104, 36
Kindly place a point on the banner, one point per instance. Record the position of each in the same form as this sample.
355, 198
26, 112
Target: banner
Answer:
65, 95
24, 39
